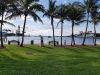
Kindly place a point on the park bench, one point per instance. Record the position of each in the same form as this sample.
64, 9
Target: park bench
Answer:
52, 42
13, 42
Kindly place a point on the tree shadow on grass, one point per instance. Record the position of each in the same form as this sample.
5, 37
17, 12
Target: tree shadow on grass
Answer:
74, 50
14, 55
37, 50
76, 65
48, 47
51, 65
93, 49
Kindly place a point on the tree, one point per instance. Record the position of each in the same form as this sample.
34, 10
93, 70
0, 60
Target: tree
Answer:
50, 13
75, 14
26, 7
89, 5
61, 13
3, 6
95, 20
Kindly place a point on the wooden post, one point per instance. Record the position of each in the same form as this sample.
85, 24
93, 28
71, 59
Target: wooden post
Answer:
42, 42
32, 42
8, 42
18, 42
49, 43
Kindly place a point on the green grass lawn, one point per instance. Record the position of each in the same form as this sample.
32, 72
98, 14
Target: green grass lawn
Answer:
34, 60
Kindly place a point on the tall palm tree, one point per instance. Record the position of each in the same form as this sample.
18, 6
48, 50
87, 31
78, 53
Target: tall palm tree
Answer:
50, 14
95, 20
26, 7
60, 13
89, 4
75, 14
3, 6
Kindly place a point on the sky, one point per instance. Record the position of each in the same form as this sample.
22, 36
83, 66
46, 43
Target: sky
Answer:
37, 28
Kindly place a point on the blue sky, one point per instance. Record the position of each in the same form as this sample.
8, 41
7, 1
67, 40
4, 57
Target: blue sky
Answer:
37, 28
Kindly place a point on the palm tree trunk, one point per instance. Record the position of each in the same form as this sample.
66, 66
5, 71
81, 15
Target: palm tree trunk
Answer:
72, 36
23, 32
61, 32
53, 31
73, 40
86, 28
94, 35
1, 31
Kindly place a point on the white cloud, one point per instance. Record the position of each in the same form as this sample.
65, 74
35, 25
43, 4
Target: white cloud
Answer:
37, 28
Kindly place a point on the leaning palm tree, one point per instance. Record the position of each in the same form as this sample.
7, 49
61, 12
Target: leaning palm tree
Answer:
95, 20
75, 14
3, 7
89, 4
50, 14
26, 7
60, 13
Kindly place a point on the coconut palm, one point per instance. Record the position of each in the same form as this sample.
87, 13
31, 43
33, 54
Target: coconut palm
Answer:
89, 5
75, 14
3, 6
26, 8
50, 13
95, 20
60, 13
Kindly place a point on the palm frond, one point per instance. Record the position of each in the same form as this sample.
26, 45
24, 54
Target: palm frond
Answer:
37, 7
58, 23
7, 23
35, 16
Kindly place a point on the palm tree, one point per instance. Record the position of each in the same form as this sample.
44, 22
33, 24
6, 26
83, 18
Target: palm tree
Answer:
2, 15
3, 6
95, 20
50, 14
26, 7
60, 13
75, 14
89, 4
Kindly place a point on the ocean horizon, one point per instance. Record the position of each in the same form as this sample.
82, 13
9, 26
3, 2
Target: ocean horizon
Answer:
46, 39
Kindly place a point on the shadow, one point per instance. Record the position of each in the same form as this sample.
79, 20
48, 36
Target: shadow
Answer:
75, 63
16, 56
74, 50
37, 50
54, 64
93, 49
48, 47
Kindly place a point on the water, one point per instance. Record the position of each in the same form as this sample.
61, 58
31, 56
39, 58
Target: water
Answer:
27, 40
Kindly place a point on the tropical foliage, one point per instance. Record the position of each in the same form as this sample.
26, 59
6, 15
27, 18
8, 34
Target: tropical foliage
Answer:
50, 12
61, 13
75, 12
89, 6
4, 4
25, 8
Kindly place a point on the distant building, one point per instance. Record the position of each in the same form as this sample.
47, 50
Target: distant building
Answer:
18, 33
3, 33
88, 34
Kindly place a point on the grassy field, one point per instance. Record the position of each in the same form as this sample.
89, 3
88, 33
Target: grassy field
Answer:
34, 60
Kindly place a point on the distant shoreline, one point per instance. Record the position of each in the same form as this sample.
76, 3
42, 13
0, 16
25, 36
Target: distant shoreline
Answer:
52, 36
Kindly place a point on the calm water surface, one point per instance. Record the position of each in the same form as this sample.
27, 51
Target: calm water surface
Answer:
27, 40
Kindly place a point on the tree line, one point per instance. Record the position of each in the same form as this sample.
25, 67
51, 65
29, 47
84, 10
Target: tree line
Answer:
75, 12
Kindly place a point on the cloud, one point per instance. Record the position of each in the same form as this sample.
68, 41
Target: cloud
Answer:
11, 21
37, 28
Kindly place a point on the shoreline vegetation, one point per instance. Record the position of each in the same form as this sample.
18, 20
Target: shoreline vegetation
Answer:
75, 12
